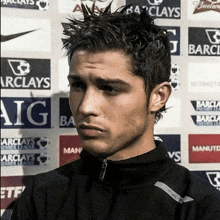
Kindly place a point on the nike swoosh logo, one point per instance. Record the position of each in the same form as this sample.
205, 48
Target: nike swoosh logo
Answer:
5, 38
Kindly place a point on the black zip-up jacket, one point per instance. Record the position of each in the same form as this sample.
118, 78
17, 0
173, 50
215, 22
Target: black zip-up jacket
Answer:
147, 187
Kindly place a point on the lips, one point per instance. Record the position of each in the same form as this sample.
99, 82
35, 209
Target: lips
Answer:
87, 130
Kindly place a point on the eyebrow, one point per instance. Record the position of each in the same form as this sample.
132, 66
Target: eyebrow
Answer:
74, 77
100, 80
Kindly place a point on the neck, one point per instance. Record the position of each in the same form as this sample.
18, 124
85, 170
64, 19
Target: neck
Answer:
140, 146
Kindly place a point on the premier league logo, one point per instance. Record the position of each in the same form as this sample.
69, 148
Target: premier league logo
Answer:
43, 143
155, 2
42, 159
214, 178
42, 5
19, 67
213, 36
174, 76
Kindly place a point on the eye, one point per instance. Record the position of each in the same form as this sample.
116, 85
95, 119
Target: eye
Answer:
110, 90
77, 85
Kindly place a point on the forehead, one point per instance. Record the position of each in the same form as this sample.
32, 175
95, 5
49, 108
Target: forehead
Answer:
107, 60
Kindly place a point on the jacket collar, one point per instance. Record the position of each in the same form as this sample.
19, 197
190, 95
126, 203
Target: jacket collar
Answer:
124, 172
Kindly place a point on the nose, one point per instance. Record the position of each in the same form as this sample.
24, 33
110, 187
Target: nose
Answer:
89, 103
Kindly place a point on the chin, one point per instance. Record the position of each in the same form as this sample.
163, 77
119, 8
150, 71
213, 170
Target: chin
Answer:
98, 150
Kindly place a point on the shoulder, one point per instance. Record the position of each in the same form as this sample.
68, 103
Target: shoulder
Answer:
52, 186
57, 179
187, 183
198, 198
60, 176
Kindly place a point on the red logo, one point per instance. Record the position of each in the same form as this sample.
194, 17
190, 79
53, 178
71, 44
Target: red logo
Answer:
204, 148
207, 5
11, 188
69, 148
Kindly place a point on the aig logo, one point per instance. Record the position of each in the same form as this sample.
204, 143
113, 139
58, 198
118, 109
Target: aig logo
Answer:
25, 113
174, 38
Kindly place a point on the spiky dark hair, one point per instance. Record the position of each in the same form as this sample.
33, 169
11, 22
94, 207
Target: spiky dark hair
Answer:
134, 34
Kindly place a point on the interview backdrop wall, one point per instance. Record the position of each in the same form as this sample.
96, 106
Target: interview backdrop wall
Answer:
38, 130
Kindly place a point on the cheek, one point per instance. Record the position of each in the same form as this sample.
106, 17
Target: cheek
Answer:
74, 101
137, 118
71, 104
131, 115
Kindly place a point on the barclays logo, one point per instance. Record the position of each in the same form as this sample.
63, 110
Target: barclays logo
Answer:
66, 117
25, 74
204, 41
206, 105
156, 8
206, 120
25, 159
27, 143
41, 5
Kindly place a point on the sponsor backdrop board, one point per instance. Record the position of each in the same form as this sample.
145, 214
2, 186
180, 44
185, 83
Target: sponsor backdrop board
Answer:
38, 131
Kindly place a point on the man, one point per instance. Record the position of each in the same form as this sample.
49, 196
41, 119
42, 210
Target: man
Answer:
119, 73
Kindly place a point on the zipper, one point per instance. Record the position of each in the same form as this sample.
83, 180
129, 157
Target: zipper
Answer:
103, 170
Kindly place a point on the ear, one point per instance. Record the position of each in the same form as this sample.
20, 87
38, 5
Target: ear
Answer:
159, 96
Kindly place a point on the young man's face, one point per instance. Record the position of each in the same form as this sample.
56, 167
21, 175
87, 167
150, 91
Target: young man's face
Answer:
109, 105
